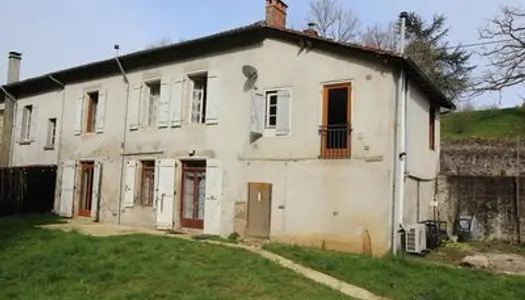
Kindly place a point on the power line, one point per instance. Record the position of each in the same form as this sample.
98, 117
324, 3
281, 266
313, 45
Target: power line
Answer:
478, 44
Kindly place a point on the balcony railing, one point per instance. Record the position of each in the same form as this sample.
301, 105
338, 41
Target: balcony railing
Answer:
335, 141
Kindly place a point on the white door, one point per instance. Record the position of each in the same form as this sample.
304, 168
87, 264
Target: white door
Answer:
165, 192
95, 197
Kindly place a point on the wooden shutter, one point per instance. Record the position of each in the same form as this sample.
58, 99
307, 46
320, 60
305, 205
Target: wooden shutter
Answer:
283, 112
213, 98
33, 129
176, 103
101, 112
67, 190
164, 105
134, 107
95, 197
129, 192
165, 175
18, 126
79, 108
257, 113
213, 197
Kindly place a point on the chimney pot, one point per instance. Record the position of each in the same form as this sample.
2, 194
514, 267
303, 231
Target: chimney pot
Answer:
276, 13
13, 67
311, 29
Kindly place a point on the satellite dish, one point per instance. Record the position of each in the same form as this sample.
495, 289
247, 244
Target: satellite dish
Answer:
250, 73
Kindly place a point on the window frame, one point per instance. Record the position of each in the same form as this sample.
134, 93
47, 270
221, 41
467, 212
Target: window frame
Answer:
90, 123
267, 117
25, 130
51, 134
269, 131
432, 127
147, 111
336, 153
147, 168
192, 78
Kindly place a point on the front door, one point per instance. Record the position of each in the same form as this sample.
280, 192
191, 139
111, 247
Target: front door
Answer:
193, 192
86, 189
259, 209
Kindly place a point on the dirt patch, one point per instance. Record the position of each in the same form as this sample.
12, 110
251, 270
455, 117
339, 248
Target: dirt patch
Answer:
503, 258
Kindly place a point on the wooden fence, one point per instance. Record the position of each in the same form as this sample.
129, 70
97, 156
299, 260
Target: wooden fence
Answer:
27, 189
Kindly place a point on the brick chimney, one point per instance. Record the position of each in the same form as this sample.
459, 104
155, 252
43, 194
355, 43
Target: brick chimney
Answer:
276, 13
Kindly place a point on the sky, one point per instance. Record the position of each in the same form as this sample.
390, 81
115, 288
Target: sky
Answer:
57, 34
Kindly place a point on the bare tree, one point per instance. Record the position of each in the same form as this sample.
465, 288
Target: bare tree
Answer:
333, 20
507, 54
165, 41
381, 37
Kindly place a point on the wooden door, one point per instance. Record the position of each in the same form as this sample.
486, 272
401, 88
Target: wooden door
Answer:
193, 193
259, 209
86, 189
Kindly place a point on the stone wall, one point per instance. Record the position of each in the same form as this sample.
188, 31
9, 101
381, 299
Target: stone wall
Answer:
480, 157
492, 202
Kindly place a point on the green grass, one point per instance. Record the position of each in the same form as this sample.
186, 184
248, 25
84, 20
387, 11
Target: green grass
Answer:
47, 264
490, 123
405, 278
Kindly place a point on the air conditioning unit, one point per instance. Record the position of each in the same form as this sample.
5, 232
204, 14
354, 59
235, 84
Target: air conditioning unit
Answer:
416, 238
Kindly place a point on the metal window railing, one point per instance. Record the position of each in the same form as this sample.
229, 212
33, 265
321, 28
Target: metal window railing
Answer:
335, 141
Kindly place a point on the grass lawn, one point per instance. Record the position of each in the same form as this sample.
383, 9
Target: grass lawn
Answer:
491, 123
405, 278
45, 264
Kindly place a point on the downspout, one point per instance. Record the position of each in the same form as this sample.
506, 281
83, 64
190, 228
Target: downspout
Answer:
11, 98
399, 146
124, 131
63, 87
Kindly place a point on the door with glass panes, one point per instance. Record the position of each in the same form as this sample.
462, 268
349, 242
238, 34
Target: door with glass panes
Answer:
193, 192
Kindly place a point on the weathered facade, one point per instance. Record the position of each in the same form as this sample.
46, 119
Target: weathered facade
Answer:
258, 134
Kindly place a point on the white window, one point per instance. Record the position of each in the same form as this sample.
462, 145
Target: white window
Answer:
27, 115
51, 133
198, 98
270, 119
153, 90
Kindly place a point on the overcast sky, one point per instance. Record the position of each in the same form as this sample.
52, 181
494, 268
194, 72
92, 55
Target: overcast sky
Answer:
56, 34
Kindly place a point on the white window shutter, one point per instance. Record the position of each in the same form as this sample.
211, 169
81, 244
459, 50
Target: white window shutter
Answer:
33, 129
67, 190
213, 98
165, 187
176, 103
134, 107
213, 197
129, 191
79, 108
283, 112
18, 126
257, 113
101, 112
95, 197
164, 105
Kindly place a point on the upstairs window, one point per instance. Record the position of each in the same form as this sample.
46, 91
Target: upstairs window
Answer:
91, 112
271, 110
198, 94
432, 128
27, 115
153, 92
336, 128
51, 133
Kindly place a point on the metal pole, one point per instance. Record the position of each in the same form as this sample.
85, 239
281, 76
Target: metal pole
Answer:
518, 214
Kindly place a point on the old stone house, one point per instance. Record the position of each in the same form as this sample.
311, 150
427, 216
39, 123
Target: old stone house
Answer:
260, 130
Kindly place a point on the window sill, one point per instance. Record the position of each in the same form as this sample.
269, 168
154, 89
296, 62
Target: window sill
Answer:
47, 148
25, 142
271, 133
